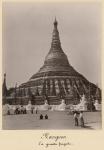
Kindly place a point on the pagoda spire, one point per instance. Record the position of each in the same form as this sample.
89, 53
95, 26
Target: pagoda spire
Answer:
4, 87
56, 59
55, 45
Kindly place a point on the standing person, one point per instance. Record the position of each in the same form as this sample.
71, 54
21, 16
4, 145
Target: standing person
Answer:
76, 118
36, 110
22, 109
81, 119
32, 108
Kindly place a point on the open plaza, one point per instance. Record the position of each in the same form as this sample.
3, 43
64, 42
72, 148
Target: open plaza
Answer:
56, 120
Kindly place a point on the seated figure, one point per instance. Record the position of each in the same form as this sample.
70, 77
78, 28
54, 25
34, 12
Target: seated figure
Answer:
46, 116
41, 117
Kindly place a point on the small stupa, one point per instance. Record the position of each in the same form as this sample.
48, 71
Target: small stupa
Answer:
62, 106
97, 105
45, 106
29, 107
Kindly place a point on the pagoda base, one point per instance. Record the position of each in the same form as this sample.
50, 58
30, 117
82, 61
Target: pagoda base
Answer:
40, 100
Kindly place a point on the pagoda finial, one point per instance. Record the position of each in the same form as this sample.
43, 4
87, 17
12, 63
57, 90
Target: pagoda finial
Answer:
55, 22
55, 45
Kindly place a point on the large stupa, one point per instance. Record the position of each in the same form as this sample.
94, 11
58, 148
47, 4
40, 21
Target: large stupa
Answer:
55, 80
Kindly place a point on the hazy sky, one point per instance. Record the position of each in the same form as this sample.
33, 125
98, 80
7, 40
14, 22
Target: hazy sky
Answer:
27, 34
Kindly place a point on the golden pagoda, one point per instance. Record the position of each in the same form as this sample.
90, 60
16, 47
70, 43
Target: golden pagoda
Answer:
56, 79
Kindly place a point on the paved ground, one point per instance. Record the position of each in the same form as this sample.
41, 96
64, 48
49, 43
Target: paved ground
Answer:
57, 120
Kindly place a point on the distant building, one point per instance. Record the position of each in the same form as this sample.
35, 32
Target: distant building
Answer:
56, 79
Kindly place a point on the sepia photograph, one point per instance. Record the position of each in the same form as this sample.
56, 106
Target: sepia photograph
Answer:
51, 66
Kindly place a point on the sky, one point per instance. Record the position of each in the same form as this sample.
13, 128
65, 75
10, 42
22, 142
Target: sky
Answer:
27, 34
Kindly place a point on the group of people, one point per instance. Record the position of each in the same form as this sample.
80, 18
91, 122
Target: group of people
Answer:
19, 109
78, 118
41, 116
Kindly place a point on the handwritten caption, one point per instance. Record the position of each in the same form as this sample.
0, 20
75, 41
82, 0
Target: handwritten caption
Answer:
47, 140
